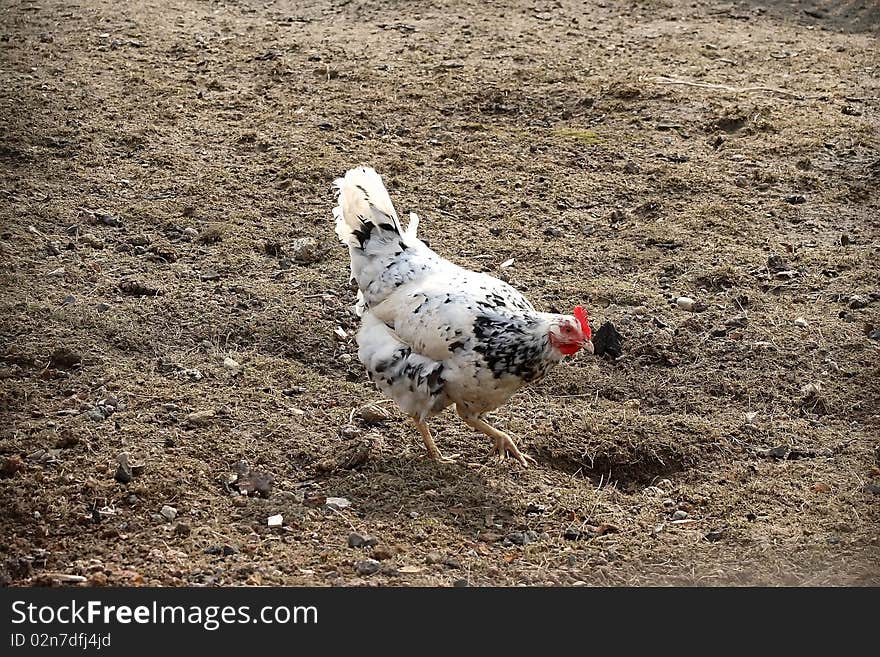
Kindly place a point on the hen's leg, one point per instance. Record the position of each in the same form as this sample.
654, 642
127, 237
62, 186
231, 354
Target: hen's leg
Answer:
433, 452
503, 443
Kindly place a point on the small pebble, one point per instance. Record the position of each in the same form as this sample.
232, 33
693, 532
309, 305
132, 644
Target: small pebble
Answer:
685, 303
193, 374
338, 503
304, 250
168, 512
275, 521
123, 470
571, 534
109, 219
93, 241
680, 515
356, 540
779, 452
715, 535
190, 233
200, 418
800, 321
373, 413
103, 307
231, 364
367, 566
434, 558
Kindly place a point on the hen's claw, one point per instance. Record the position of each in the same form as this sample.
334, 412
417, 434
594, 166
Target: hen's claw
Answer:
439, 458
433, 453
504, 445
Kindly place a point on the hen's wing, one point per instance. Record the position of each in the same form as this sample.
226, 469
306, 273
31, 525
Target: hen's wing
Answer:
451, 310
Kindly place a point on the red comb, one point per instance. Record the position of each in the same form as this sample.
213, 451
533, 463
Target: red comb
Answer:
581, 316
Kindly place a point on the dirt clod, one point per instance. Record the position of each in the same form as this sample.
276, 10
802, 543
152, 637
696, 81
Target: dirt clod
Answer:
608, 341
64, 358
10, 465
137, 288
384, 552
352, 455
250, 482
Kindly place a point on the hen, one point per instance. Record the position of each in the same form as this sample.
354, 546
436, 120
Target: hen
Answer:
434, 334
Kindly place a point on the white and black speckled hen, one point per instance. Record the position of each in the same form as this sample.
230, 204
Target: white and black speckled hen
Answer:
434, 334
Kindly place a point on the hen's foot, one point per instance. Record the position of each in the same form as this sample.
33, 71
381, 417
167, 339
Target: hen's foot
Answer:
505, 446
437, 457
433, 453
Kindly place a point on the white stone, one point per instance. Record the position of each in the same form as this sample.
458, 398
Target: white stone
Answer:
685, 303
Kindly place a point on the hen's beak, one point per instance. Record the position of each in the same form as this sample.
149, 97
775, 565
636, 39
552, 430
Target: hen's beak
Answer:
587, 346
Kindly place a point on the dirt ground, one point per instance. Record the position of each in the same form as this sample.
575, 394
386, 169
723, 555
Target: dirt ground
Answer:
160, 160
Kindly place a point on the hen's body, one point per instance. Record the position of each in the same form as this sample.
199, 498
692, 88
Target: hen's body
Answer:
433, 333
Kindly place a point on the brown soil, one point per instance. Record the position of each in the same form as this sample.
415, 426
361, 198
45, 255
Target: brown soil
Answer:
548, 133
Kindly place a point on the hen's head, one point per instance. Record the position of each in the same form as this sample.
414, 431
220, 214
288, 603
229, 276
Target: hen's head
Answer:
570, 333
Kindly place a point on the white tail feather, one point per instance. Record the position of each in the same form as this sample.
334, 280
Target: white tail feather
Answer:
362, 195
413, 226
